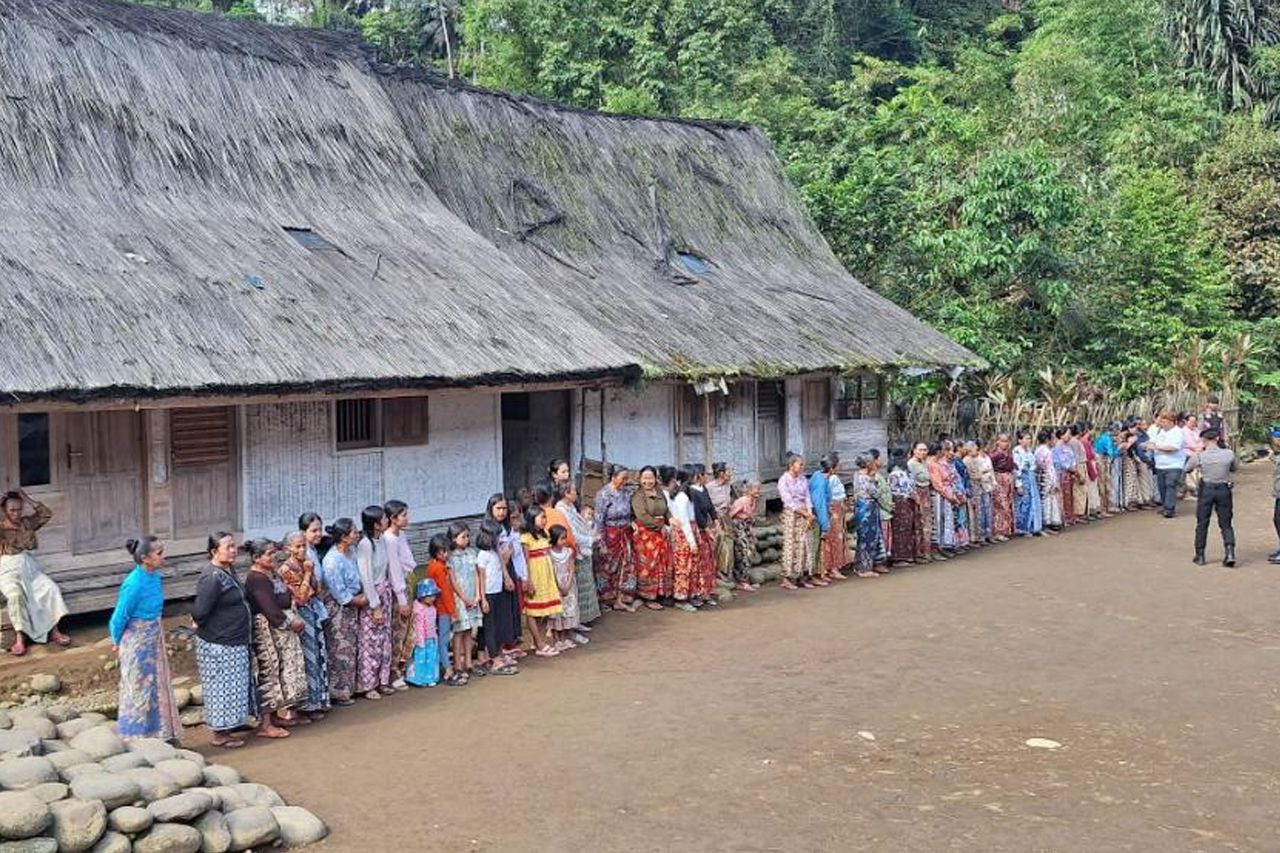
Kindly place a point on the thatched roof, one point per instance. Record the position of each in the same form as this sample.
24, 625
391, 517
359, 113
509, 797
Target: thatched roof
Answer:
152, 160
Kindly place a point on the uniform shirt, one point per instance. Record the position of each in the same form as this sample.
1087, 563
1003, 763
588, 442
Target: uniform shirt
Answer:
1216, 464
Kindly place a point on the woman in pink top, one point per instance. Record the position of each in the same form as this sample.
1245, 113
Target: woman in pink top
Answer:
797, 518
1194, 444
742, 516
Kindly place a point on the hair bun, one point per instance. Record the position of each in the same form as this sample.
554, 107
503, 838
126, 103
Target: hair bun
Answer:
131, 545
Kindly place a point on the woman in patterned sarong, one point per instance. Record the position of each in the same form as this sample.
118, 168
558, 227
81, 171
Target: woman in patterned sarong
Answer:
866, 517
650, 544
278, 663
223, 634
1049, 484
614, 566
300, 575
147, 706
943, 480
344, 599
1002, 499
745, 552
918, 468
906, 522
1028, 512
835, 543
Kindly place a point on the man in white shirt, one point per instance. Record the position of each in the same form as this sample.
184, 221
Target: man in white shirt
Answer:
1168, 443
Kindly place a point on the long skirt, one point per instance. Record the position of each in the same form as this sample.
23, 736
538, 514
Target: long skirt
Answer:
226, 675
1103, 483
1146, 484
1002, 500
279, 666
706, 567
615, 570
501, 628
342, 643
745, 552
1118, 493
1029, 513
373, 657
795, 545
588, 598
424, 664
835, 548
315, 655
1050, 499
34, 600
983, 508
964, 523
683, 565
567, 618
401, 634
724, 549
944, 523
147, 707
651, 557
1131, 482
866, 516
1067, 489
924, 512
906, 530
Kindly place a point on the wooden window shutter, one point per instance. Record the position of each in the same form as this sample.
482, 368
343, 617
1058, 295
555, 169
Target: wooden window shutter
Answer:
405, 421
200, 436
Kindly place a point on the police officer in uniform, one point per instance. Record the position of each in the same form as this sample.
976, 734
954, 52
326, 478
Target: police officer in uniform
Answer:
1217, 464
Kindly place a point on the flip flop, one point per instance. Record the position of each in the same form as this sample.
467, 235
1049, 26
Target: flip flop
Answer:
229, 743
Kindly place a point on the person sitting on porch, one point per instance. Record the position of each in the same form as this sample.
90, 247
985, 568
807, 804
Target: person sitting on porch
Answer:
34, 600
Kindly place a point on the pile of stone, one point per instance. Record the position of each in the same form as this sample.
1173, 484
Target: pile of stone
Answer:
69, 784
768, 544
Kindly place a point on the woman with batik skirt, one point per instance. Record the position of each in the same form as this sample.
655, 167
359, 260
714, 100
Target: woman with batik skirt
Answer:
685, 544
224, 628
835, 542
650, 545
964, 492
344, 599
866, 515
906, 513
147, 707
614, 564
944, 498
918, 468
1028, 510
1003, 496
373, 657
279, 667
1064, 464
797, 518
584, 537
1049, 483
745, 553
720, 489
705, 528
885, 495
300, 576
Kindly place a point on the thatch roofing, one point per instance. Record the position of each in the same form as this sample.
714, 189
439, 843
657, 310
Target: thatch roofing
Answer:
153, 159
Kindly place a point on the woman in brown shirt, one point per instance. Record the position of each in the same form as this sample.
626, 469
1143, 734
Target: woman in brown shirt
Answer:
34, 600
651, 549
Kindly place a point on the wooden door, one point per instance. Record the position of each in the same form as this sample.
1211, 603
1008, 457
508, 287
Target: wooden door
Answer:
770, 413
815, 418
104, 478
204, 469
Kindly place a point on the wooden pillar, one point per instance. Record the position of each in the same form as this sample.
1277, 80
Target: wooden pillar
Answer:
706, 431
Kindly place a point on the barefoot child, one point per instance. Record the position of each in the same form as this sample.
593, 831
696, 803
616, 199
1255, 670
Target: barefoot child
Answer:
542, 595
423, 669
564, 562
468, 592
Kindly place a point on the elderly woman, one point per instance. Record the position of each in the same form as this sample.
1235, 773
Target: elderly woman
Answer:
35, 604
147, 706
651, 547
797, 518
223, 632
615, 578
1002, 498
299, 574
281, 668
946, 497
720, 489
866, 516
834, 547
745, 553
906, 522
343, 599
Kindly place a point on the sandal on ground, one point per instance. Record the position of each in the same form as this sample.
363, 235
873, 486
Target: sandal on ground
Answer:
821, 582
228, 742
786, 584
839, 576
505, 669
273, 732
546, 652
868, 575
18, 650
686, 607
653, 605
745, 587
60, 639
315, 716
622, 608
711, 602
808, 585
373, 694
287, 722
454, 680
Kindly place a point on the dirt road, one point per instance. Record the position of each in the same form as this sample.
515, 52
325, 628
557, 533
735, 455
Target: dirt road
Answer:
743, 729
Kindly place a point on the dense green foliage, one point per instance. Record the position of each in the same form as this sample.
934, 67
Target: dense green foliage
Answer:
1083, 184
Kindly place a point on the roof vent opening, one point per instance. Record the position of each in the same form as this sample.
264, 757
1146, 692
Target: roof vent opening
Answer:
693, 264
308, 239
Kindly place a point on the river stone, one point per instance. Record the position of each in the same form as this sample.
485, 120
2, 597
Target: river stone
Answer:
130, 820
71, 728
77, 824
45, 682
229, 798
192, 717
112, 842
153, 784
54, 745
20, 743
68, 758
19, 773
181, 808
215, 837
220, 774
298, 827
181, 697
197, 694
37, 724
168, 838
49, 792
61, 713
186, 773
124, 761
6, 721
192, 756
252, 826
258, 795
153, 749
98, 743
112, 789
22, 814
40, 844
88, 768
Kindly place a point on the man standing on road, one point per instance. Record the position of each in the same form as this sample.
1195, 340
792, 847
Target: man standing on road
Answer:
1169, 445
1217, 465
1274, 557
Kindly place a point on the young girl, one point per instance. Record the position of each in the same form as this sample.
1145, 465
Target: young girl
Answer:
373, 655
424, 658
563, 561
542, 596
497, 583
446, 607
743, 515
403, 582
468, 592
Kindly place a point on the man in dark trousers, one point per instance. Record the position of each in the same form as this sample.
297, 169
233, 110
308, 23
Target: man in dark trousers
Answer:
1274, 556
1217, 466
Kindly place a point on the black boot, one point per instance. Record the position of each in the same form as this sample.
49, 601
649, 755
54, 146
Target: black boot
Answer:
1198, 559
1274, 557
1229, 559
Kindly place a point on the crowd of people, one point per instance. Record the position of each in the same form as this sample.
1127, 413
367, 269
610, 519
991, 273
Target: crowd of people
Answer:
336, 612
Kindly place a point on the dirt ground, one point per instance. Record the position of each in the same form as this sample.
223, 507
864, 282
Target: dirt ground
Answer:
751, 728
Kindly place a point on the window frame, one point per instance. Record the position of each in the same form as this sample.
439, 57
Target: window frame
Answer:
380, 438
50, 464
854, 406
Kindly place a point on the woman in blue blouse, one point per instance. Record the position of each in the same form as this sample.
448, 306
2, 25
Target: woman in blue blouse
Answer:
344, 599
147, 706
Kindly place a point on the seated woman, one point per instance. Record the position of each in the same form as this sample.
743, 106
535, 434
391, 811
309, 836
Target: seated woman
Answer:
35, 603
